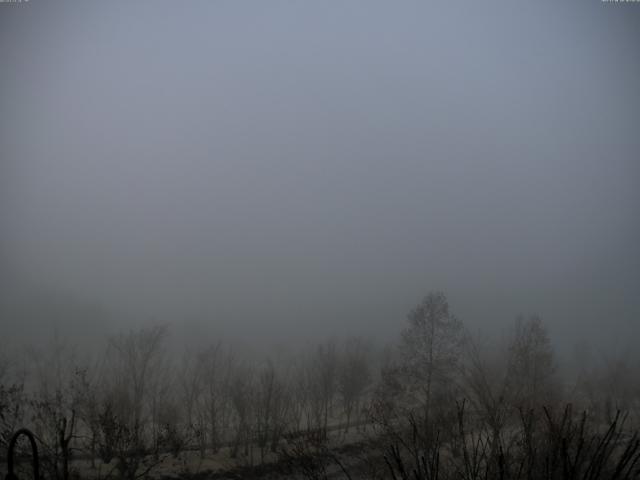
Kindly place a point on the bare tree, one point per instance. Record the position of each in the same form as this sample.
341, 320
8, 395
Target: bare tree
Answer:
174, 432
192, 385
86, 393
300, 394
322, 377
12, 400
242, 395
129, 411
429, 353
54, 405
217, 371
354, 376
532, 364
271, 409
487, 387
609, 386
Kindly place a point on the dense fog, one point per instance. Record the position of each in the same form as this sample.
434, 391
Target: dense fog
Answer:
285, 176
289, 170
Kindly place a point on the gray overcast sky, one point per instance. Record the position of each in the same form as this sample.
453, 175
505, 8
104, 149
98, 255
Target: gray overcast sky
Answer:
282, 170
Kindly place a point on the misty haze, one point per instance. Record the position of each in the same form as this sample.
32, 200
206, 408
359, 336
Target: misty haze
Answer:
319, 240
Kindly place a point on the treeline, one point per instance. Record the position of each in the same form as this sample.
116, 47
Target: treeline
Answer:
135, 401
422, 400
451, 407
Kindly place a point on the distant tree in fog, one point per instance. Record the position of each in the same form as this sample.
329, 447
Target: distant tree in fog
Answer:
532, 365
273, 403
54, 404
323, 383
429, 351
487, 383
300, 393
130, 405
87, 392
191, 384
12, 398
217, 375
354, 376
242, 396
609, 386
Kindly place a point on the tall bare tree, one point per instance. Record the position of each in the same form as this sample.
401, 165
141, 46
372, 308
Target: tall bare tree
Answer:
192, 385
354, 376
129, 413
486, 378
322, 378
242, 396
218, 368
532, 365
429, 352
54, 404
272, 408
